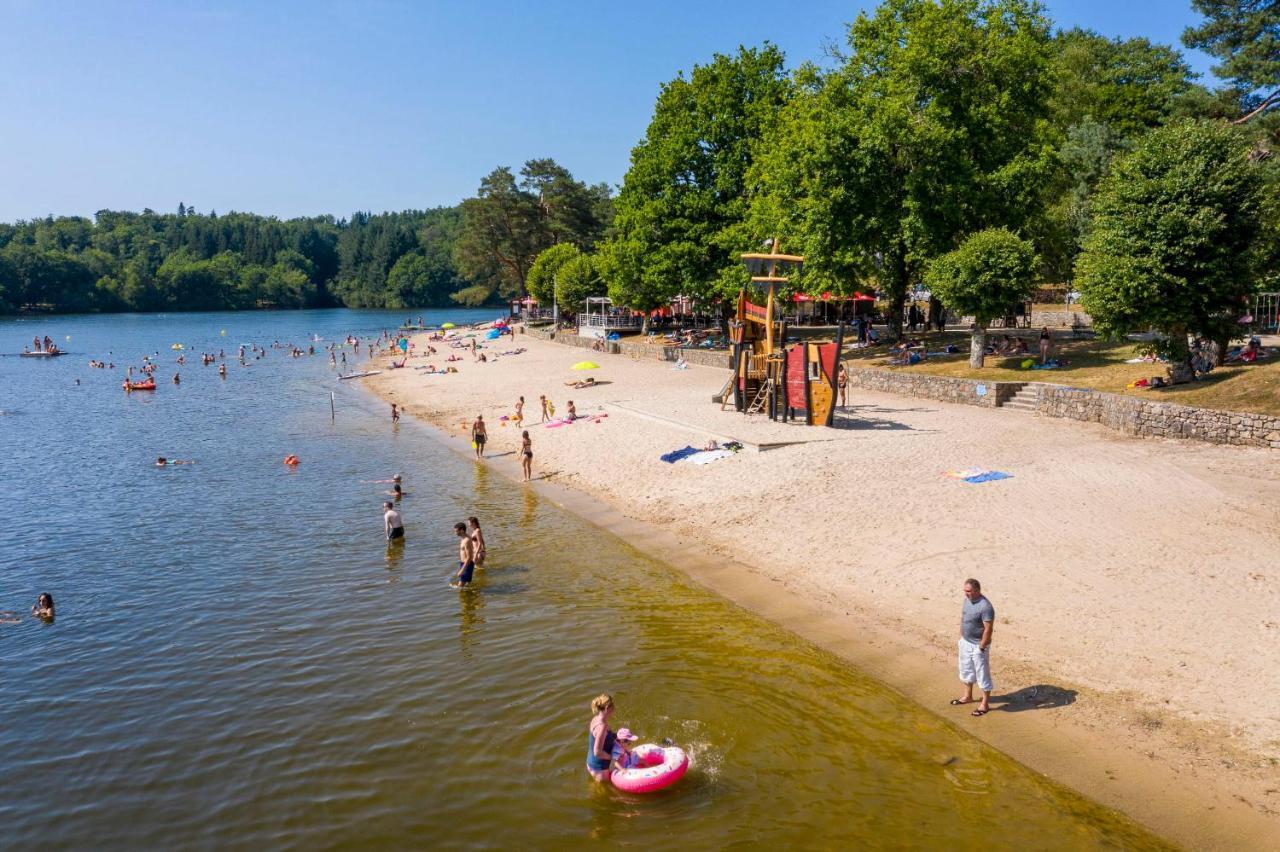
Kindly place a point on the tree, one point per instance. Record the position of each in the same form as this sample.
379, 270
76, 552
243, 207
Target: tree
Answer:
933, 127
1129, 85
542, 275
570, 210
1245, 36
680, 219
577, 280
1172, 242
990, 273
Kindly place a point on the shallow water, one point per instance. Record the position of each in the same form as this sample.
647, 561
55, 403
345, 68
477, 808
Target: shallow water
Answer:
238, 660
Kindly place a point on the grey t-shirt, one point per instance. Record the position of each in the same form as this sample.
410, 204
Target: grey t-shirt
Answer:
972, 616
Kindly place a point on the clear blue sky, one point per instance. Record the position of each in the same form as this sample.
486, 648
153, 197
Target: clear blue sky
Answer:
325, 107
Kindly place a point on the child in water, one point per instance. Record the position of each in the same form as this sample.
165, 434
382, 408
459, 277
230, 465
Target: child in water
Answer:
622, 754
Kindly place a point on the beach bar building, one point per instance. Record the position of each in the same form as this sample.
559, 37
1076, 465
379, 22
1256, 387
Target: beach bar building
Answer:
600, 318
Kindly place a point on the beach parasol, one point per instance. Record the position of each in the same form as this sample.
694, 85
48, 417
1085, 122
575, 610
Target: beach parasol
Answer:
586, 365
448, 325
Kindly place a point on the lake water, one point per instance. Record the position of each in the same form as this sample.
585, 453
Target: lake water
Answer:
239, 661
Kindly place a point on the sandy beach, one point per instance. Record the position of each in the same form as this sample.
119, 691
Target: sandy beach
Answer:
1136, 583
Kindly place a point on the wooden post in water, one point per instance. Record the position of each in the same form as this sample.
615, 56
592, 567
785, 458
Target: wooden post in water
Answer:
333, 415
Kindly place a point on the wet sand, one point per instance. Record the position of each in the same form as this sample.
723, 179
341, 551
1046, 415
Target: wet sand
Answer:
1135, 654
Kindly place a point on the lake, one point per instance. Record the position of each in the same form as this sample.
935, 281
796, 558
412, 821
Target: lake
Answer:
238, 660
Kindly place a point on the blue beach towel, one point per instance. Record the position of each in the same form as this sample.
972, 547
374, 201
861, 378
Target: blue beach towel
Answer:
989, 476
675, 455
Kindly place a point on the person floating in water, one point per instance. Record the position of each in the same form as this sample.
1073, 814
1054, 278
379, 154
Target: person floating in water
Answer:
393, 522
466, 556
161, 461
44, 606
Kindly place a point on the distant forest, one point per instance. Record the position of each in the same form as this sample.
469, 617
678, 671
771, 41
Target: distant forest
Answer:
148, 261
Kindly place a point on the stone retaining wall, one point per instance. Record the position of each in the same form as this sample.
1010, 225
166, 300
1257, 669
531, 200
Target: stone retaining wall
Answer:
1145, 418
940, 388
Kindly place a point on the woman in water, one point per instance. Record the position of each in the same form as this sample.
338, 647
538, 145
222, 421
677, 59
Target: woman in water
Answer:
526, 455
600, 740
478, 537
44, 606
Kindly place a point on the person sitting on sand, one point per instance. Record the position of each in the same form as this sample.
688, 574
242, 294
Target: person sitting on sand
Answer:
44, 606
573, 412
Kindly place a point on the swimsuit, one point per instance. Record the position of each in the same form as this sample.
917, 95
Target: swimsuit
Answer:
467, 570
599, 764
396, 532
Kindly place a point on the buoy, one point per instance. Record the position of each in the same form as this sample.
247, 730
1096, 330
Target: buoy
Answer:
292, 461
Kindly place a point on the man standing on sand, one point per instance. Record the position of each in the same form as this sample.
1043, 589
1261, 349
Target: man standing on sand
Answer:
543, 399
466, 556
479, 435
977, 617
393, 522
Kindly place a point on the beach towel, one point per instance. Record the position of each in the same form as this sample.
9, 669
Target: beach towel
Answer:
707, 456
975, 475
682, 453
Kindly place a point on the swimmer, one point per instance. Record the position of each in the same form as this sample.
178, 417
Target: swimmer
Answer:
478, 537
600, 739
395, 413
222, 370
466, 556
162, 461
177, 379
44, 606
394, 523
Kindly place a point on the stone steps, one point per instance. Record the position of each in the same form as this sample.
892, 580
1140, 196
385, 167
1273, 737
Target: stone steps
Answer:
1023, 400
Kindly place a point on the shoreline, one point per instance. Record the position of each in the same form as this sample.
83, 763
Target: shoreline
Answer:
1183, 779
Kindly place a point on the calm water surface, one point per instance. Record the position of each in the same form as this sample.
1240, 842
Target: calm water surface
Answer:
238, 661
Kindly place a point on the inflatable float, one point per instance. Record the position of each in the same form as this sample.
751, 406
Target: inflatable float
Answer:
659, 767
133, 386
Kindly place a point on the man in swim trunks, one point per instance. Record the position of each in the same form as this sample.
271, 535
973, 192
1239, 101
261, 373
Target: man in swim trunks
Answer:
466, 556
395, 413
479, 435
393, 522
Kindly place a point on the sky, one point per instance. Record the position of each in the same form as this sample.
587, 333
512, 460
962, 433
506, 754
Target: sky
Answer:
292, 109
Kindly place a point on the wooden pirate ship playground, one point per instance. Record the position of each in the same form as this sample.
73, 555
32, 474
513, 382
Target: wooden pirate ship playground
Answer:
786, 382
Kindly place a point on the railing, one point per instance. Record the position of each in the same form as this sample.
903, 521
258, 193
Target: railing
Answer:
610, 321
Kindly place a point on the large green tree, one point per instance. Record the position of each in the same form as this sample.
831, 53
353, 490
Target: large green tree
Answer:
990, 273
680, 218
509, 222
1173, 241
1245, 36
932, 128
578, 279
542, 275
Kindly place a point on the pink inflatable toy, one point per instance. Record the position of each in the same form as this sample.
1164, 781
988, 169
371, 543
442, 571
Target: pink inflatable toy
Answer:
658, 769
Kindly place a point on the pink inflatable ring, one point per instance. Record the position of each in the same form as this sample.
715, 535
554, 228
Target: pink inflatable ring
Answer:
657, 768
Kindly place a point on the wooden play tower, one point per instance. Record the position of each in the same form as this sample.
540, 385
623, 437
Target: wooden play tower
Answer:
786, 383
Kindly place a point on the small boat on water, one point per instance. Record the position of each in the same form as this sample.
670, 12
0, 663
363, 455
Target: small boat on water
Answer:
42, 354
359, 375
133, 386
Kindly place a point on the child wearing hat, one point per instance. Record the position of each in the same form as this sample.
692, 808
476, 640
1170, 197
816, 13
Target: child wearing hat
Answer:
622, 755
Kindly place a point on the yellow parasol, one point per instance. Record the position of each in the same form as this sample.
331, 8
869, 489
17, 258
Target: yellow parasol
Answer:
586, 365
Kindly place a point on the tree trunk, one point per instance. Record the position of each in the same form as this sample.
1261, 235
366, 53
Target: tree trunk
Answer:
977, 346
1221, 343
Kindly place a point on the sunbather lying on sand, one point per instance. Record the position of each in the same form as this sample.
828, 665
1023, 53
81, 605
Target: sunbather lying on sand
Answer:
584, 383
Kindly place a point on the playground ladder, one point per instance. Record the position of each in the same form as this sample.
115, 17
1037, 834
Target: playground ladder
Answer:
762, 397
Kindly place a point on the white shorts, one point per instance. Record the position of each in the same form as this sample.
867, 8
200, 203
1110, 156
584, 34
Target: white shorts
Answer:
975, 665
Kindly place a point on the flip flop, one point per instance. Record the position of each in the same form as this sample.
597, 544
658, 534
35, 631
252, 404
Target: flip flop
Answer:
979, 712
956, 702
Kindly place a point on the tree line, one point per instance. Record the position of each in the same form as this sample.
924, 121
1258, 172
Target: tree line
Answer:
474, 253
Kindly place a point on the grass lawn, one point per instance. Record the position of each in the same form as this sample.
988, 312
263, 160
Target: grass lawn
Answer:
1099, 365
